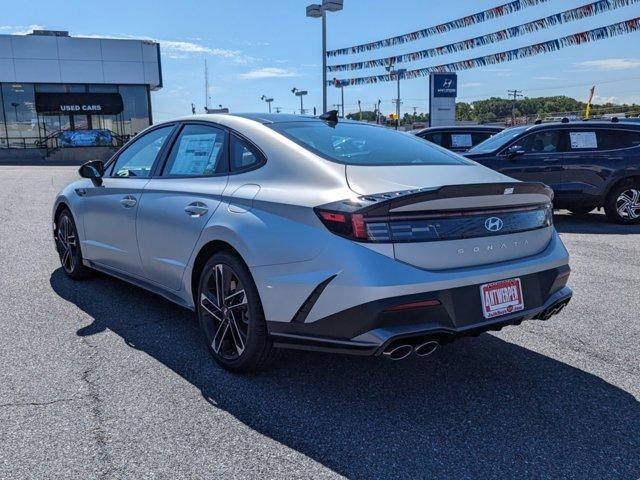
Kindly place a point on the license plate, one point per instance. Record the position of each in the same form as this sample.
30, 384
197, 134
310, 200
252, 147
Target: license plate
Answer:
501, 298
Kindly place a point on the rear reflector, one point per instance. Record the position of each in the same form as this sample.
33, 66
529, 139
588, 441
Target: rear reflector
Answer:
413, 305
333, 217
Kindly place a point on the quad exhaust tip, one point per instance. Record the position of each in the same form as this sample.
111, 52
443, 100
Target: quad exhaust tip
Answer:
400, 352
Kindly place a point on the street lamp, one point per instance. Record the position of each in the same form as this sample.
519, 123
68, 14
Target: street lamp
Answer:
341, 87
268, 100
399, 73
299, 93
320, 11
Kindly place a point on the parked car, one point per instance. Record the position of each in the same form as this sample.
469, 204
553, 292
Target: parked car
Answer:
587, 164
457, 138
314, 233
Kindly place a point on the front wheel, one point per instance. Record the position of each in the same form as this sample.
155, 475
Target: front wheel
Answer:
68, 247
623, 203
230, 315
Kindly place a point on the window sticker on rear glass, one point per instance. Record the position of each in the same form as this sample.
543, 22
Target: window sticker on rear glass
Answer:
583, 140
461, 140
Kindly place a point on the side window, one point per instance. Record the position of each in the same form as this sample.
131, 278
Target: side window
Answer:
243, 155
435, 137
611, 139
139, 157
199, 151
479, 137
546, 141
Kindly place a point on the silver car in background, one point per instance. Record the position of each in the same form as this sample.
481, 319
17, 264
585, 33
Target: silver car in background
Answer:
314, 233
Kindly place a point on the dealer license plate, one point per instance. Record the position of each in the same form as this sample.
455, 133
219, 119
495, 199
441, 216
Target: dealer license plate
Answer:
501, 298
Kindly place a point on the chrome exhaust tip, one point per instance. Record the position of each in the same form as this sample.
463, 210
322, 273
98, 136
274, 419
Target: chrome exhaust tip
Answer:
398, 353
426, 348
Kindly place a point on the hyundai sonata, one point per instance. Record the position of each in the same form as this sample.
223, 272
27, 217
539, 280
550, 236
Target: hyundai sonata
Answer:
314, 233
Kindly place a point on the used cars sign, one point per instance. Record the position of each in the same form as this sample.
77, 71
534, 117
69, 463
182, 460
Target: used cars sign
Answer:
55, 103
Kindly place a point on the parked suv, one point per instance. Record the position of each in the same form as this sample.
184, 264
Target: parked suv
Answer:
314, 233
587, 164
457, 138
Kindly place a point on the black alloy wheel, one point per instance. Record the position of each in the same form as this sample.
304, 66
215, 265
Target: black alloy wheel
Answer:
231, 316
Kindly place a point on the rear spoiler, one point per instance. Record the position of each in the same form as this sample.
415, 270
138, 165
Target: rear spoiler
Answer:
384, 203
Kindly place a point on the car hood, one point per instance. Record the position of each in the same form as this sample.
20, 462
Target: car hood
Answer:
367, 180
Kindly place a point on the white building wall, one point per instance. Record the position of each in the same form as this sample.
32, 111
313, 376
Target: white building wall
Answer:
50, 59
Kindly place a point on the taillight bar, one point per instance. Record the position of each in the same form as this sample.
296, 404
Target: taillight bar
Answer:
370, 218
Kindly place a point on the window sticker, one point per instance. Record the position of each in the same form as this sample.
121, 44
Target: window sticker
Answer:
197, 154
583, 140
461, 140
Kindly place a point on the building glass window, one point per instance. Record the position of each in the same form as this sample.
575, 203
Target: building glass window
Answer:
20, 114
135, 117
22, 127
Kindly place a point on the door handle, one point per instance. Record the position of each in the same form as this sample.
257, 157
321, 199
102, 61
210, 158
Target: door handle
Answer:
196, 209
550, 160
129, 201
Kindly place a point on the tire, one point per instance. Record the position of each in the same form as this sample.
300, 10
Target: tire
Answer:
235, 329
623, 203
580, 210
68, 247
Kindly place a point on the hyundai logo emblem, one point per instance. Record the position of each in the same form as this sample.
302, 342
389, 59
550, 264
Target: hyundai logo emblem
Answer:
493, 224
447, 83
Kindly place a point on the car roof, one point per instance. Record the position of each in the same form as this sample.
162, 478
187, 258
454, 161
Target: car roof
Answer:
463, 127
267, 118
580, 124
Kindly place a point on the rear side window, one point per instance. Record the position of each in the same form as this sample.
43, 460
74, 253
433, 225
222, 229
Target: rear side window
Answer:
199, 151
436, 137
361, 144
138, 158
461, 140
244, 156
546, 141
479, 137
611, 139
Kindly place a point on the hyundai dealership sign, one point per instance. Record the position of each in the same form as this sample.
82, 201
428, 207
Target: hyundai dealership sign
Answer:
443, 89
445, 85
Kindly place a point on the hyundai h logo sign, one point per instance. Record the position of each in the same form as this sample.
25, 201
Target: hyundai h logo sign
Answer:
493, 224
447, 83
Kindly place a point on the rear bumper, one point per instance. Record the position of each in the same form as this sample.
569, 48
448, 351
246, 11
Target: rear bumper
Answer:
370, 328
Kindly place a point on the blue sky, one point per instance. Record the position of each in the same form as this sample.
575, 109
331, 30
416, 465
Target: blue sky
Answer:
256, 47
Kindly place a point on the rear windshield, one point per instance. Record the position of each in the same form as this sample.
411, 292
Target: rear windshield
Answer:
362, 144
495, 142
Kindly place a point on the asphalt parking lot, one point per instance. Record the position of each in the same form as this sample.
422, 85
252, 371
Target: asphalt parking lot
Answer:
102, 380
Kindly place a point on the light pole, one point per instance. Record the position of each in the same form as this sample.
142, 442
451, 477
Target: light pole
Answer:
320, 11
268, 100
299, 93
398, 73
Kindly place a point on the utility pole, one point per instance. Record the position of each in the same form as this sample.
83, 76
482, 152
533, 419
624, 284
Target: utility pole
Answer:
206, 85
515, 94
193, 109
359, 111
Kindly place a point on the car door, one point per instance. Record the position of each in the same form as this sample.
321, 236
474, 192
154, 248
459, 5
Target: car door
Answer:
109, 208
540, 159
593, 155
177, 204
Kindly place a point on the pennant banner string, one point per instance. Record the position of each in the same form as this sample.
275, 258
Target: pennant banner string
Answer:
584, 11
480, 17
616, 29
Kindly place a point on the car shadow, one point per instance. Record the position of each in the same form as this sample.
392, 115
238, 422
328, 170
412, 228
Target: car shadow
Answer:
592, 223
478, 408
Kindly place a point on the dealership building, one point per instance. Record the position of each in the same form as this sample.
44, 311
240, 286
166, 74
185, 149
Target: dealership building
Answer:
60, 91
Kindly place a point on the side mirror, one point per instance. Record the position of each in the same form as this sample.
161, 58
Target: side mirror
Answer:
93, 170
514, 151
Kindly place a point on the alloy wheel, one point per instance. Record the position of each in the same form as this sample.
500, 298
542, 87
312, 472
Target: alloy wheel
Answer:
67, 243
628, 204
224, 305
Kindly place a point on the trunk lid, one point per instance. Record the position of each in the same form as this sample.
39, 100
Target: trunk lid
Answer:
444, 217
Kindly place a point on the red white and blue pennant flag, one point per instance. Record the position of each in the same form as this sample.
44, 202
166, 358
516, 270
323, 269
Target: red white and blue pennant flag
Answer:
616, 29
584, 11
476, 18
